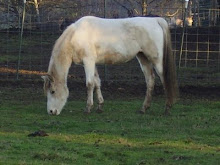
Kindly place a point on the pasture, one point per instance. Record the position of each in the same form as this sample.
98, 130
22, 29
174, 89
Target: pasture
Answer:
190, 135
117, 136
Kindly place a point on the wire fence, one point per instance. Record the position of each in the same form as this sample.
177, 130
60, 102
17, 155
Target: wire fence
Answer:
26, 56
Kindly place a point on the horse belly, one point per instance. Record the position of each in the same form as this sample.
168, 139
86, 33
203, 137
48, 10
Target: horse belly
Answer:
119, 51
115, 56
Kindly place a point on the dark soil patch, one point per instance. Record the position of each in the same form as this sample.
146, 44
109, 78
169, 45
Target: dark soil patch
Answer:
120, 89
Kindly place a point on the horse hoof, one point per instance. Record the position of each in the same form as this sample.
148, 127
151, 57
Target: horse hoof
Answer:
99, 111
167, 113
87, 112
140, 112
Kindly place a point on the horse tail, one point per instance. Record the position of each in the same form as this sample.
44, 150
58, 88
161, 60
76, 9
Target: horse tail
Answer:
169, 67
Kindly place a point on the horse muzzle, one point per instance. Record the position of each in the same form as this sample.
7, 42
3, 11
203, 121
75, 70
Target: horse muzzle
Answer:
53, 112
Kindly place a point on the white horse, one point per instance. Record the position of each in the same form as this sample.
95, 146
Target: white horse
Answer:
92, 40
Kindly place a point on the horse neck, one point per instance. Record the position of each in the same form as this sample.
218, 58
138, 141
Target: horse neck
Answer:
61, 58
59, 68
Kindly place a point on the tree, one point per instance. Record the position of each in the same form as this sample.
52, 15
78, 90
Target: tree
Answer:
36, 6
144, 7
213, 13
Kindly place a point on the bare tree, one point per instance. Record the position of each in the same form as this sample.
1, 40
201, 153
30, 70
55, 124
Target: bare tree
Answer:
213, 12
17, 6
129, 9
196, 8
36, 6
144, 7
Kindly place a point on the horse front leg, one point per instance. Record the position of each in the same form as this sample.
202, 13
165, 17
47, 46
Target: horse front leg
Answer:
89, 67
90, 89
98, 92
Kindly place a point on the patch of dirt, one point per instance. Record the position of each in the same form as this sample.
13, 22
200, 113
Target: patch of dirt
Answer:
121, 89
38, 133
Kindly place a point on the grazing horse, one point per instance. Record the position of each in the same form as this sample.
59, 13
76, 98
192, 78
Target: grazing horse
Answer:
92, 40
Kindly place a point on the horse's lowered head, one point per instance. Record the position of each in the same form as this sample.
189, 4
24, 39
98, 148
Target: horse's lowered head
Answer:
57, 93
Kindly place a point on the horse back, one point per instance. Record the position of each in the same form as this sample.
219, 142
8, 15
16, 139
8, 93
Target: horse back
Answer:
115, 40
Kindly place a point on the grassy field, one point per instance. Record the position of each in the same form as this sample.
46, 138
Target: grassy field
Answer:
118, 136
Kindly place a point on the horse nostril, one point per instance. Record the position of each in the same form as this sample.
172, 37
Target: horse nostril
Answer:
53, 112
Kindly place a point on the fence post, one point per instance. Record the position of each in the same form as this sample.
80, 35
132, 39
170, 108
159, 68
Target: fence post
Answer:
20, 42
182, 39
105, 66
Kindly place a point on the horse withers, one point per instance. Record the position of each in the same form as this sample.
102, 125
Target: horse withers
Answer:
92, 40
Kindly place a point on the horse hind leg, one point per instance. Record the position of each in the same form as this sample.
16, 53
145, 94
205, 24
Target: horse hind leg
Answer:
159, 69
147, 69
98, 92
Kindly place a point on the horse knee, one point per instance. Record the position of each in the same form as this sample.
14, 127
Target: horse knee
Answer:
90, 85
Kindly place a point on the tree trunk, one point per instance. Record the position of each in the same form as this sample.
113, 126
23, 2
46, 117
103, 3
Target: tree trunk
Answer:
144, 7
213, 12
196, 17
36, 5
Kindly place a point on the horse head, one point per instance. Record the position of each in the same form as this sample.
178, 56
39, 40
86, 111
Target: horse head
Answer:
57, 93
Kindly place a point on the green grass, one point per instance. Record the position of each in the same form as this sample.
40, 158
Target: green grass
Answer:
118, 136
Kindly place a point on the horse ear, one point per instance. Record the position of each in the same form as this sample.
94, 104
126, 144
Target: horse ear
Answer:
48, 81
48, 78
44, 77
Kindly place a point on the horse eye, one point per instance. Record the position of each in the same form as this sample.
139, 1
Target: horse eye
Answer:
52, 92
